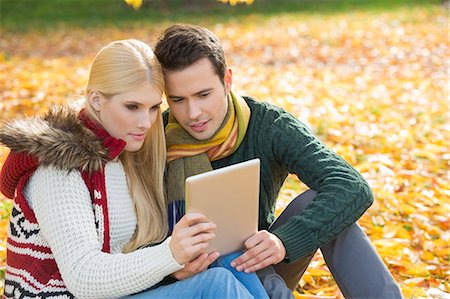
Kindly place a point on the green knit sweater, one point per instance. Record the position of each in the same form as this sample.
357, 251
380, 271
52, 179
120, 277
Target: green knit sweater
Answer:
285, 145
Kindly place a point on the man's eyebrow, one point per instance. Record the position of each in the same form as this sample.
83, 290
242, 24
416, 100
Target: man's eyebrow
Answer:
203, 91
194, 94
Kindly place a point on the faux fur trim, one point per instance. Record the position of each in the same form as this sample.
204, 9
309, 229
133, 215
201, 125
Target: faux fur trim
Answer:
58, 139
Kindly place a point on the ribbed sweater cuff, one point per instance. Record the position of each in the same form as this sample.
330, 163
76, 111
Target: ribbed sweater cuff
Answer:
167, 261
297, 245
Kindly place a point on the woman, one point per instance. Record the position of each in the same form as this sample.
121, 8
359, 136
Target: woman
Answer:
88, 195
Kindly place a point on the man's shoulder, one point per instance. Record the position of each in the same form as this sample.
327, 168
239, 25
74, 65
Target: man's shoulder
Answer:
262, 111
257, 106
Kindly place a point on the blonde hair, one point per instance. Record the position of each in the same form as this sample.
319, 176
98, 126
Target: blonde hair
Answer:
119, 67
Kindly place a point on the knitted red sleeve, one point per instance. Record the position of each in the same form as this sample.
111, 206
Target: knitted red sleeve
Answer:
16, 165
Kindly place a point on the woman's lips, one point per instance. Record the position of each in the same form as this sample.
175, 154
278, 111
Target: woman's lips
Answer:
138, 137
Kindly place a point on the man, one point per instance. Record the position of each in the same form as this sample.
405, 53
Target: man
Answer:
209, 127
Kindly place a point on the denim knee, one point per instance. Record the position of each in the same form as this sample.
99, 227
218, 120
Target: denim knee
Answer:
223, 282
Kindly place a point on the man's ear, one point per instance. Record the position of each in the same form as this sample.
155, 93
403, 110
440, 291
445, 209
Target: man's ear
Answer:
228, 80
94, 98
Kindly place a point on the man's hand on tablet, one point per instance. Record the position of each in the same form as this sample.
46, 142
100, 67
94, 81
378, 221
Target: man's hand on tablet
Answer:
261, 250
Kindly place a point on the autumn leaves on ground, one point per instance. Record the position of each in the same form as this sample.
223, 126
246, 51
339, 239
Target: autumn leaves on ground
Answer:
373, 85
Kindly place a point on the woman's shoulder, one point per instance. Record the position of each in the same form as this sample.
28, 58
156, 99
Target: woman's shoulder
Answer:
50, 177
49, 180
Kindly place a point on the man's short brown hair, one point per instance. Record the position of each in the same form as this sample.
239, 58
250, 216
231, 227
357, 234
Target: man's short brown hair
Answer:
182, 45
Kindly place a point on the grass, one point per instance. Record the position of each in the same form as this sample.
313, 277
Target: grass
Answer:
26, 15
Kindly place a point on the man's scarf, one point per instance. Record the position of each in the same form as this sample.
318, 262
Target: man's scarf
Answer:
187, 156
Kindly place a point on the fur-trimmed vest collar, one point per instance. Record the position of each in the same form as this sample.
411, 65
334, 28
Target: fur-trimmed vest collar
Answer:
63, 138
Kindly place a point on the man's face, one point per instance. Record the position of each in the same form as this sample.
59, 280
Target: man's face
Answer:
197, 98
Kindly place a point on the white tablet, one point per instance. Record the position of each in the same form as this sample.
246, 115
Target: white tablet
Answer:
228, 197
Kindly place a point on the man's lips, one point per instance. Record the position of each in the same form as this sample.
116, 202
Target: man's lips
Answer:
199, 127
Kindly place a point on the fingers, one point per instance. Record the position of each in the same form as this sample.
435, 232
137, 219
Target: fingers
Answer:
201, 238
192, 224
258, 262
263, 249
200, 264
185, 250
195, 234
212, 257
191, 219
251, 249
190, 236
195, 244
256, 239
251, 257
196, 266
191, 268
198, 228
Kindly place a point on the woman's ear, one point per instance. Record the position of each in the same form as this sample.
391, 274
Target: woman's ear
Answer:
95, 98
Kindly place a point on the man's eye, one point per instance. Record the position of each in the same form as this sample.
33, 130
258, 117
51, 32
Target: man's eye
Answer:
203, 95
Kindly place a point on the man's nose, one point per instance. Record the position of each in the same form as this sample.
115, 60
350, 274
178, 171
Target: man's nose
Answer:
194, 110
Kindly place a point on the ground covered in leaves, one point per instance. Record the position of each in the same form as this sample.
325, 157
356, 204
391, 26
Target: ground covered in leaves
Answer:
372, 85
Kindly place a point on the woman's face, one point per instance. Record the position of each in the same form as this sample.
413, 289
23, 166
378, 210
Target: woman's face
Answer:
130, 115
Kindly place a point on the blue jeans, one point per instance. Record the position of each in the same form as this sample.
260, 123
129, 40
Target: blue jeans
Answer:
250, 280
213, 283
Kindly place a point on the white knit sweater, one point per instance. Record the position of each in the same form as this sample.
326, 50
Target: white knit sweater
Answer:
63, 208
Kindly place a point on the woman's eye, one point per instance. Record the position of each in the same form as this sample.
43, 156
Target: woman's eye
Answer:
132, 107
